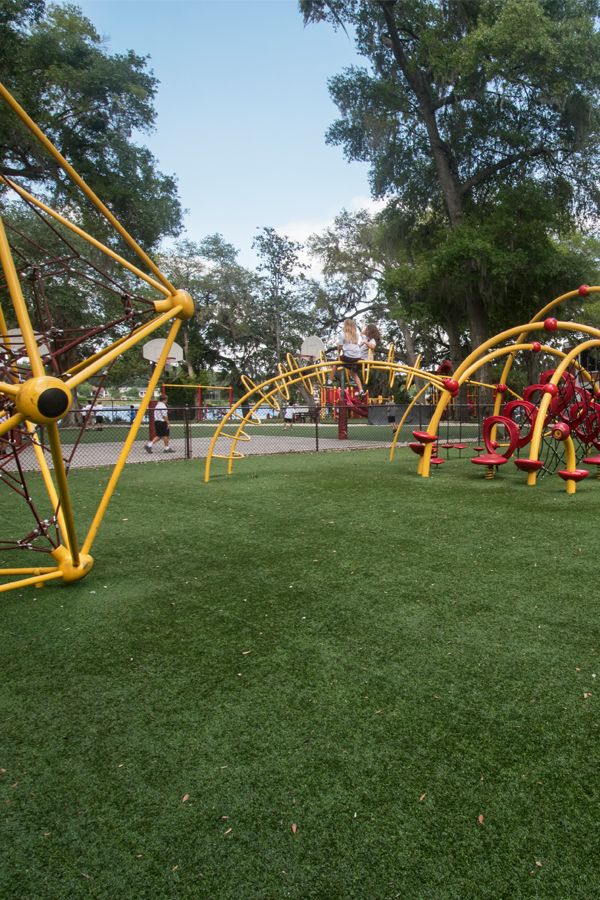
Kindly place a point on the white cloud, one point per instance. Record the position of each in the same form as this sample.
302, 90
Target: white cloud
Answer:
301, 229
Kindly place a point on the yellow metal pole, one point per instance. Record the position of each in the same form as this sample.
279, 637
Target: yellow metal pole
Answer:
11, 422
7, 388
14, 288
116, 473
5, 337
63, 492
78, 180
3, 327
114, 351
100, 354
47, 477
36, 579
87, 237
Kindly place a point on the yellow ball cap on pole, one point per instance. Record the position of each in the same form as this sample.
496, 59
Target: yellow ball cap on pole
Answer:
44, 399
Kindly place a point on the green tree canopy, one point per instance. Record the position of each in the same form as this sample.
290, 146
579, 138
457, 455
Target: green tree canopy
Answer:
90, 104
462, 101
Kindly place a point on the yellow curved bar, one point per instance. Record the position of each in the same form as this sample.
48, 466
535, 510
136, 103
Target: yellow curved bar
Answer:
282, 386
366, 367
271, 386
232, 413
321, 373
542, 314
411, 375
476, 358
254, 420
293, 366
390, 361
236, 437
404, 418
251, 386
536, 437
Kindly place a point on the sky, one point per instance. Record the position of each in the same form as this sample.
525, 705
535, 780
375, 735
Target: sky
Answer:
242, 111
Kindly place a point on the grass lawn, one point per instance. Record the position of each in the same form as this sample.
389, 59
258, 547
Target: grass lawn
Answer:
323, 677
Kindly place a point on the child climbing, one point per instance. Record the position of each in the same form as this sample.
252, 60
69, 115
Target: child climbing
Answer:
348, 342
369, 338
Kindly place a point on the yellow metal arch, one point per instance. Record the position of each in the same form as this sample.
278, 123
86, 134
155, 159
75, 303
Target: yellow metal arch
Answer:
279, 385
485, 353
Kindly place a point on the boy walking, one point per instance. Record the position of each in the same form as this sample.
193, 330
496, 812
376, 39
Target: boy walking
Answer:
161, 425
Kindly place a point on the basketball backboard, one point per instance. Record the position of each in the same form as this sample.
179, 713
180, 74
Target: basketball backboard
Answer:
152, 350
312, 346
17, 344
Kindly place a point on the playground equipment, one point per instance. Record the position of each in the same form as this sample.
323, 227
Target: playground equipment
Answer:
332, 397
236, 425
560, 411
41, 367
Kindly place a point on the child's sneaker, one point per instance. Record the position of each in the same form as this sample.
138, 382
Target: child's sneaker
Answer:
148, 448
168, 450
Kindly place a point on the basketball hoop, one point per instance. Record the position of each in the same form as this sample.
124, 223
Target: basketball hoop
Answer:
152, 350
312, 346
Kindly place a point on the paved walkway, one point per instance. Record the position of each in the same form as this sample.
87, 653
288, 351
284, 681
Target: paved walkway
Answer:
107, 454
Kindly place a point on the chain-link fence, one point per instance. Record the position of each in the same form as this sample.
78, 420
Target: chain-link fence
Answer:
98, 438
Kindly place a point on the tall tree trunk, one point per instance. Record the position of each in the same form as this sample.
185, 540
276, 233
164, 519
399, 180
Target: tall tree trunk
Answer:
409, 343
445, 164
186, 348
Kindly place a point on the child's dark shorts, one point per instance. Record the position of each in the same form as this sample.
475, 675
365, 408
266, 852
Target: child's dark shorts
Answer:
350, 363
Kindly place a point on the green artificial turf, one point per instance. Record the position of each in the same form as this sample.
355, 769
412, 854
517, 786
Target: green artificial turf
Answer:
321, 677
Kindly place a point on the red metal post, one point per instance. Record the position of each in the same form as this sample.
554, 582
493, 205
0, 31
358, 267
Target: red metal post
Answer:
342, 413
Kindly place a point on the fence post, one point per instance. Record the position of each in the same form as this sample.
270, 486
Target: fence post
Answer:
317, 417
187, 432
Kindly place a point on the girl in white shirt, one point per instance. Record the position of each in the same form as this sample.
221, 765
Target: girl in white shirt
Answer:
350, 350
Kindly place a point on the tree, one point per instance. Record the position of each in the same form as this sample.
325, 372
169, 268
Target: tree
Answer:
355, 255
90, 104
283, 271
463, 100
233, 331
